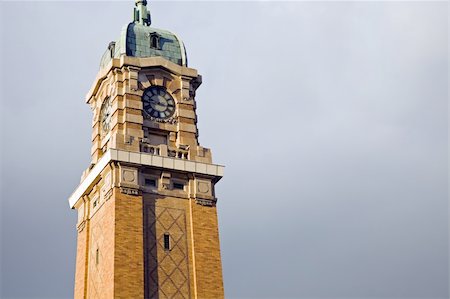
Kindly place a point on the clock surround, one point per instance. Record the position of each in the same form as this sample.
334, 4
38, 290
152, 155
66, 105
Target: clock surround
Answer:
158, 103
106, 115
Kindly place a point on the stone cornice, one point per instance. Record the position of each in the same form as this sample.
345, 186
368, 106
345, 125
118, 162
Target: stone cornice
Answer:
142, 159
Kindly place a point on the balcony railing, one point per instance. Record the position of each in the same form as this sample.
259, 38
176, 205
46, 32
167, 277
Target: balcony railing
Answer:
164, 150
151, 149
178, 153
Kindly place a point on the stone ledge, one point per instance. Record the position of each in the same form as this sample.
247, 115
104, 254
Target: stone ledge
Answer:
143, 159
166, 162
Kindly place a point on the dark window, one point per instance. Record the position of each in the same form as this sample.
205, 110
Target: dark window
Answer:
166, 241
96, 256
154, 41
150, 182
112, 49
178, 186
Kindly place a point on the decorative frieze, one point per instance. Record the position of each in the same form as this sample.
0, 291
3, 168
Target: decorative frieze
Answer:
129, 191
170, 120
205, 202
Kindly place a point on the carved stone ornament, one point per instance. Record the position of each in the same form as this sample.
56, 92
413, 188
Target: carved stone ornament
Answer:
195, 83
129, 191
128, 176
203, 187
165, 180
170, 120
205, 202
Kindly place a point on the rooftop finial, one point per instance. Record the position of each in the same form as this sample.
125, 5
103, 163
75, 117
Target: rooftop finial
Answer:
141, 14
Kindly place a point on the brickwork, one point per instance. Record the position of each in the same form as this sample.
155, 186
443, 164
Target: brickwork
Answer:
208, 266
167, 269
128, 258
81, 262
101, 250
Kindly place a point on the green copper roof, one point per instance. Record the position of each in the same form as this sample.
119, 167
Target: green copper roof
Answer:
138, 39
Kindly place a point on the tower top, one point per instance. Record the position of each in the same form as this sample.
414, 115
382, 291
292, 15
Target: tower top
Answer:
141, 13
139, 39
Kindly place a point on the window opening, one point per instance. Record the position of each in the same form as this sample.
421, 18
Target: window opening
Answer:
166, 241
150, 182
154, 41
178, 186
112, 48
96, 256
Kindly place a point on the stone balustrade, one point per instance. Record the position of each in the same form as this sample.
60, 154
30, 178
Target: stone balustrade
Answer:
164, 151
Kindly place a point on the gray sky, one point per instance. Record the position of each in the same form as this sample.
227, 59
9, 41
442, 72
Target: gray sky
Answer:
331, 118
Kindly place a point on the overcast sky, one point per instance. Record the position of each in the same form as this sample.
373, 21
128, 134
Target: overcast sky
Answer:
331, 119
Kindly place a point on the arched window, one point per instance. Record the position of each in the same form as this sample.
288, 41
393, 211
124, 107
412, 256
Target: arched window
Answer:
154, 41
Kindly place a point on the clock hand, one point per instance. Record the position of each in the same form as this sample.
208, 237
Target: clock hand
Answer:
162, 104
159, 103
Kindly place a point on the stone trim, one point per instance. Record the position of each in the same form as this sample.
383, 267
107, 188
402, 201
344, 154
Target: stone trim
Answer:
143, 159
129, 191
90, 179
205, 202
167, 162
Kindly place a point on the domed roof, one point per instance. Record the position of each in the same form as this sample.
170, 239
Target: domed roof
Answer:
139, 39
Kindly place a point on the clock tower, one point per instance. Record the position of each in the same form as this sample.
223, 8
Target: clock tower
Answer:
147, 219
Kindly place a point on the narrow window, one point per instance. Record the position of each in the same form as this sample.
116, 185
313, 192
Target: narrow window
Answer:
166, 241
178, 186
112, 48
96, 256
154, 41
150, 182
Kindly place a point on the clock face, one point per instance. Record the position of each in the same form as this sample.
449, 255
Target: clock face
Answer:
158, 103
105, 114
